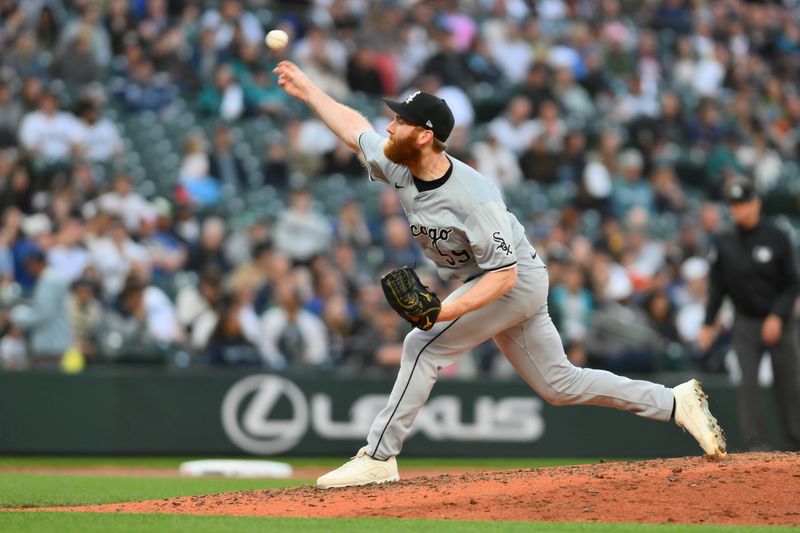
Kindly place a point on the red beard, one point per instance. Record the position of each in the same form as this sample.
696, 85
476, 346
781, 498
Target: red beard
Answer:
402, 150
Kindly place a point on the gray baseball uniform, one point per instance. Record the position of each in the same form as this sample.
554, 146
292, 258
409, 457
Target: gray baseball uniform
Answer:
464, 227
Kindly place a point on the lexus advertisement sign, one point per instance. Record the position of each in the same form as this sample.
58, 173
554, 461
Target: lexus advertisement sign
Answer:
269, 414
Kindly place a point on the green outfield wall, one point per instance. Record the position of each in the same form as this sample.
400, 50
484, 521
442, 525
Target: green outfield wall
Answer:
153, 412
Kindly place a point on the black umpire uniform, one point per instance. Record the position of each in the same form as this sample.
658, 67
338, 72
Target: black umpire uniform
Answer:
754, 265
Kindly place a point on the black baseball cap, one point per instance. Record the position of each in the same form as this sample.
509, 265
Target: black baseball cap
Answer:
427, 111
739, 190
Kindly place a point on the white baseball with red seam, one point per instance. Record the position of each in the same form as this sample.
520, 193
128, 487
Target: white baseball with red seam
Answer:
277, 39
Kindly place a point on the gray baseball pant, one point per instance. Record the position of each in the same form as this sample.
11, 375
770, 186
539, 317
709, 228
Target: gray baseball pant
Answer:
521, 327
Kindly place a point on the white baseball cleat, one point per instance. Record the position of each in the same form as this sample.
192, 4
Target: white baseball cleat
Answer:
692, 414
360, 470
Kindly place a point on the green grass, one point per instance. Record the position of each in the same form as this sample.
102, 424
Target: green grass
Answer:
35, 490
37, 522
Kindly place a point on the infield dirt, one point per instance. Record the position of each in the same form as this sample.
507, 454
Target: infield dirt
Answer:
755, 489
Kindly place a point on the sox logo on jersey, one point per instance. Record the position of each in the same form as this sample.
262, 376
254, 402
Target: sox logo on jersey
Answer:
501, 243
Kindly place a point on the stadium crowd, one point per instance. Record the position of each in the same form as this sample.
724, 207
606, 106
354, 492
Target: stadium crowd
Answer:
610, 125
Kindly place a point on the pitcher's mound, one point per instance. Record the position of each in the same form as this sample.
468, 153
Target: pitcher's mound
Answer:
757, 488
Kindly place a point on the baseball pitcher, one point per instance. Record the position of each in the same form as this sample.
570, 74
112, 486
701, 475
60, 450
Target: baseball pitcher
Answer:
463, 226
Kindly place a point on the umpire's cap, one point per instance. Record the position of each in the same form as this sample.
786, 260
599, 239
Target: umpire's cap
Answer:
427, 111
739, 190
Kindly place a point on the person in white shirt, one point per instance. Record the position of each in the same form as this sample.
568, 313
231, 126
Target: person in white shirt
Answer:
291, 335
99, 137
49, 133
229, 19
515, 129
123, 201
115, 255
497, 162
69, 256
300, 232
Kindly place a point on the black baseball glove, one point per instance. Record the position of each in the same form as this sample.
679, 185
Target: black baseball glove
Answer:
410, 298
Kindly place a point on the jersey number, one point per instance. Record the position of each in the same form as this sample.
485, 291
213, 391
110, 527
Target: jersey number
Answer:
456, 256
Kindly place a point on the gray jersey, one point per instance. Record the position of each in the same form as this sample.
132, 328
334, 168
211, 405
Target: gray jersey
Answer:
463, 226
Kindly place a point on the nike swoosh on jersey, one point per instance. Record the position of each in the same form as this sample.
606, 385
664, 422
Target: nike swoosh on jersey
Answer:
396, 186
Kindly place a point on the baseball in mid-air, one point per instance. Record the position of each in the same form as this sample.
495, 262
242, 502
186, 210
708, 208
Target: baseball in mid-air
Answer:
277, 39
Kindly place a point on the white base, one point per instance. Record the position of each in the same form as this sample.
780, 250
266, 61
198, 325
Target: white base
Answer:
236, 468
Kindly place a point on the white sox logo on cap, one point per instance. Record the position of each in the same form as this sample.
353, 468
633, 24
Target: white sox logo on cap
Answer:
411, 97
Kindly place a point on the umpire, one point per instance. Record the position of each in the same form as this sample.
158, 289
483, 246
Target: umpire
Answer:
754, 265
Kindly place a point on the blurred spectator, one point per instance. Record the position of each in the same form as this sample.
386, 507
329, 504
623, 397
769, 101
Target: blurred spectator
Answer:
362, 73
142, 323
668, 195
538, 163
263, 96
706, 129
497, 162
31, 93
351, 225
13, 350
572, 303
194, 174
276, 168
85, 316
167, 251
68, 256
223, 164
230, 22
224, 98
339, 324
536, 86
49, 21
46, 319
119, 23
242, 241
342, 160
511, 51
115, 255
146, 90
76, 64
290, 335
100, 139
122, 201
571, 96
377, 341
398, 246
11, 112
447, 62
629, 188
324, 58
197, 306
24, 58
572, 159
661, 312
515, 129
694, 274
210, 251
17, 190
620, 338
301, 232
88, 23
236, 334
49, 134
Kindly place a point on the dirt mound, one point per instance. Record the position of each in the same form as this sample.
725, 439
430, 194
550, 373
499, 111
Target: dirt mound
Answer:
741, 489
